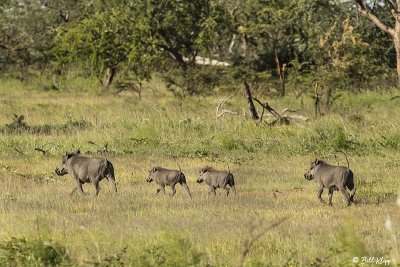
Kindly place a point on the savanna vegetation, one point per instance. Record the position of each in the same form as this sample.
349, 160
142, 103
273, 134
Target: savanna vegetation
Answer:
147, 83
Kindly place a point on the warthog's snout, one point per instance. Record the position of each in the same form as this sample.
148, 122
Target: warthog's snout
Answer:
60, 172
149, 179
308, 176
200, 180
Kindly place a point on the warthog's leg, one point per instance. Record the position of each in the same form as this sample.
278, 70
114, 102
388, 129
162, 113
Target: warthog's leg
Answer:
345, 193
320, 190
111, 179
78, 186
352, 193
234, 189
97, 186
161, 188
330, 194
187, 189
173, 190
352, 188
212, 190
227, 190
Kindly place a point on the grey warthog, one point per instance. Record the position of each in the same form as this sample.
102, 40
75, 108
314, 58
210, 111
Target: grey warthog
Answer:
165, 177
86, 170
336, 178
217, 179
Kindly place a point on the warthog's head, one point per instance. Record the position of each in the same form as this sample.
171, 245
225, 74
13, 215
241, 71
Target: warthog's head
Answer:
151, 173
62, 170
200, 179
309, 175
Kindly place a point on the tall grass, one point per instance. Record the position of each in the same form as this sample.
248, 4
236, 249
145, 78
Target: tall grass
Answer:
136, 226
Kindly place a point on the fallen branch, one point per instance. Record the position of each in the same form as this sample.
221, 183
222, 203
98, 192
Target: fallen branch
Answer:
280, 118
219, 114
19, 151
40, 150
266, 106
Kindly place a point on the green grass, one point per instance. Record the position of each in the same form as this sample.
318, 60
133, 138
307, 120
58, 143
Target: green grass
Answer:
136, 227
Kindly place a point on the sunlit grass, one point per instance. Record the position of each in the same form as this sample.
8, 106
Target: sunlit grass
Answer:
268, 164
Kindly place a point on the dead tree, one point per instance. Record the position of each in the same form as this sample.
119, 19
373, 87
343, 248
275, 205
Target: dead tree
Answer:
252, 108
279, 118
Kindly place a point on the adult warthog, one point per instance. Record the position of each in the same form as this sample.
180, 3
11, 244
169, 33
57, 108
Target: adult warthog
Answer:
86, 170
217, 179
335, 178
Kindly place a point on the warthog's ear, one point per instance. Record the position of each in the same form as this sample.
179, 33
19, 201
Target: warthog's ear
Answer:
78, 151
69, 155
317, 161
154, 169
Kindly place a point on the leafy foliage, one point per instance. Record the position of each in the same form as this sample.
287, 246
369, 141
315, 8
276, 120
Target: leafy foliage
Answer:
21, 252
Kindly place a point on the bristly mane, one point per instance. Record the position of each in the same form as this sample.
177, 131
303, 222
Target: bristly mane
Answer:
207, 168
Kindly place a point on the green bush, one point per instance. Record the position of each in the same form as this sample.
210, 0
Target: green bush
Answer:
20, 252
175, 252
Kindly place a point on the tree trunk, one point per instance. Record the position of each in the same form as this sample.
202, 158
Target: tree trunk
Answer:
396, 40
280, 69
110, 75
365, 10
252, 108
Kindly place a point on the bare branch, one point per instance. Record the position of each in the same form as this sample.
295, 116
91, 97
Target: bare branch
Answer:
392, 6
219, 114
256, 231
365, 10
268, 107
19, 151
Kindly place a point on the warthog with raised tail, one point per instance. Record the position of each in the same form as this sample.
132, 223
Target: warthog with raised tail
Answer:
165, 177
86, 170
335, 178
217, 179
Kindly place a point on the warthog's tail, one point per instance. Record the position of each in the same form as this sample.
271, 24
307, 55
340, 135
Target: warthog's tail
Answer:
351, 186
182, 181
110, 175
347, 160
174, 157
232, 184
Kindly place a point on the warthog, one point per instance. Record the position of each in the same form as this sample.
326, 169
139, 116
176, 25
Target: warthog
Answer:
165, 177
86, 170
217, 179
336, 178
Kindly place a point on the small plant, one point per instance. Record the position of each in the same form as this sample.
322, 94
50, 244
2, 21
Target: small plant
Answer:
18, 124
118, 259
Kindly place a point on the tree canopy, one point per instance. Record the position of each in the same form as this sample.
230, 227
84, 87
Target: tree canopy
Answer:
198, 46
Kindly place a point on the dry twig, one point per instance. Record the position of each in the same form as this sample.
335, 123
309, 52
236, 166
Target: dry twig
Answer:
219, 114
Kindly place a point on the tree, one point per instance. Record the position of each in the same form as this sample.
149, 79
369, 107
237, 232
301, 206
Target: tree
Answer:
392, 28
27, 29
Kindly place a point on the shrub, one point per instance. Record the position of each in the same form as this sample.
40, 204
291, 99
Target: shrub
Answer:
20, 252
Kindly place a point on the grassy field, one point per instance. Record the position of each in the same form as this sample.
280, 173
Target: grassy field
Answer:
136, 227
